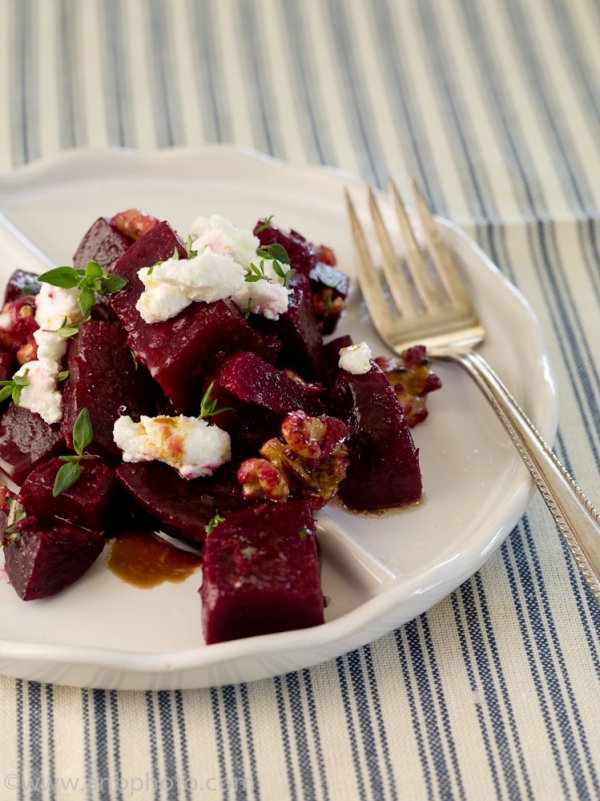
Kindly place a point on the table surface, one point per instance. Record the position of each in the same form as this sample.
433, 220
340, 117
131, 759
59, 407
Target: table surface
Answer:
494, 106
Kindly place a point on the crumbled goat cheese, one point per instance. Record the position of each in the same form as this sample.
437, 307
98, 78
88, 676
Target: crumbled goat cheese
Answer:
218, 235
221, 259
53, 304
192, 446
50, 345
41, 395
355, 359
172, 285
263, 297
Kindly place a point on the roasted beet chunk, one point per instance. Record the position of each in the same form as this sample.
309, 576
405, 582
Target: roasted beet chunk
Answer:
104, 379
25, 441
182, 508
87, 503
302, 253
178, 352
299, 331
21, 283
253, 380
43, 558
384, 467
102, 243
260, 573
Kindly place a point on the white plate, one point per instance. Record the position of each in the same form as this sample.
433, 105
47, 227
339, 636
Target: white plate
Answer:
379, 572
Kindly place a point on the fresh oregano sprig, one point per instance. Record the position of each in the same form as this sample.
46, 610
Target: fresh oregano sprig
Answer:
12, 387
89, 282
208, 404
70, 472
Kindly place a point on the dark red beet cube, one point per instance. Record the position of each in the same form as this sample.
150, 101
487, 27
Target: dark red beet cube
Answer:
42, 559
178, 352
253, 380
303, 254
299, 332
260, 573
25, 441
87, 503
21, 283
183, 508
103, 377
7, 365
384, 464
102, 243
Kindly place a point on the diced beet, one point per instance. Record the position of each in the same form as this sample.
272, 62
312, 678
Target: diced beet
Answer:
21, 283
260, 396
183, 507
384, 463
7, 365
329, 287
260, 573
42, 559
25, 441
178, 352
253, 380
103, 377
299, 331
332, 355
87, 503
102, 243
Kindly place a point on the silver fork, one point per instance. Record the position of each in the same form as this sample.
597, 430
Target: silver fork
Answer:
430, 305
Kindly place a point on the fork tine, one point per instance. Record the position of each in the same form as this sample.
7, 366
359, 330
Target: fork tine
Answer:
368, 276
399, 286
418, 269
445, 266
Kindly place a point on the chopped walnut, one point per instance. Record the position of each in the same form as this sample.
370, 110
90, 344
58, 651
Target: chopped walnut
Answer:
410, 375
134, 223
311, 460
261, 479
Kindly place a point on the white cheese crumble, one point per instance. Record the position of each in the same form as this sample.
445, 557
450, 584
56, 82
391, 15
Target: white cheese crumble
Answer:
355, 359
53, 307
53, 304
192, 446
41, 395
50, 345
222, 257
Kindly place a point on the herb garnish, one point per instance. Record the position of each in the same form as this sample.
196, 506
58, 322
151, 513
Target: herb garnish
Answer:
266, 223
189, 247
278, 255
70, 472
15, 513
12, 387
214, 521
208, 405
67, 329
90, 281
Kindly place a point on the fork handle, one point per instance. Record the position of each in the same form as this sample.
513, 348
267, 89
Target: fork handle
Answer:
577, 519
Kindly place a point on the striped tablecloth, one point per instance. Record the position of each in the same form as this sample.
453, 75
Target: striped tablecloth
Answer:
494, 105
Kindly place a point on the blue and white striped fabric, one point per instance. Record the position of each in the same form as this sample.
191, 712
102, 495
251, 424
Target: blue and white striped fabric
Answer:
494, 105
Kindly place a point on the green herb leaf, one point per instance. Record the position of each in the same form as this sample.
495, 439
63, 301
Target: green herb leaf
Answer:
191, 253
213, 523
303, 533
67, 330
257, 271
12, 387
247, 310
16, 512
266, 223
284, 274
208, 405
112, 283
65, 277
93, 270
274, 251
83, 432
66, 476
91, 281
